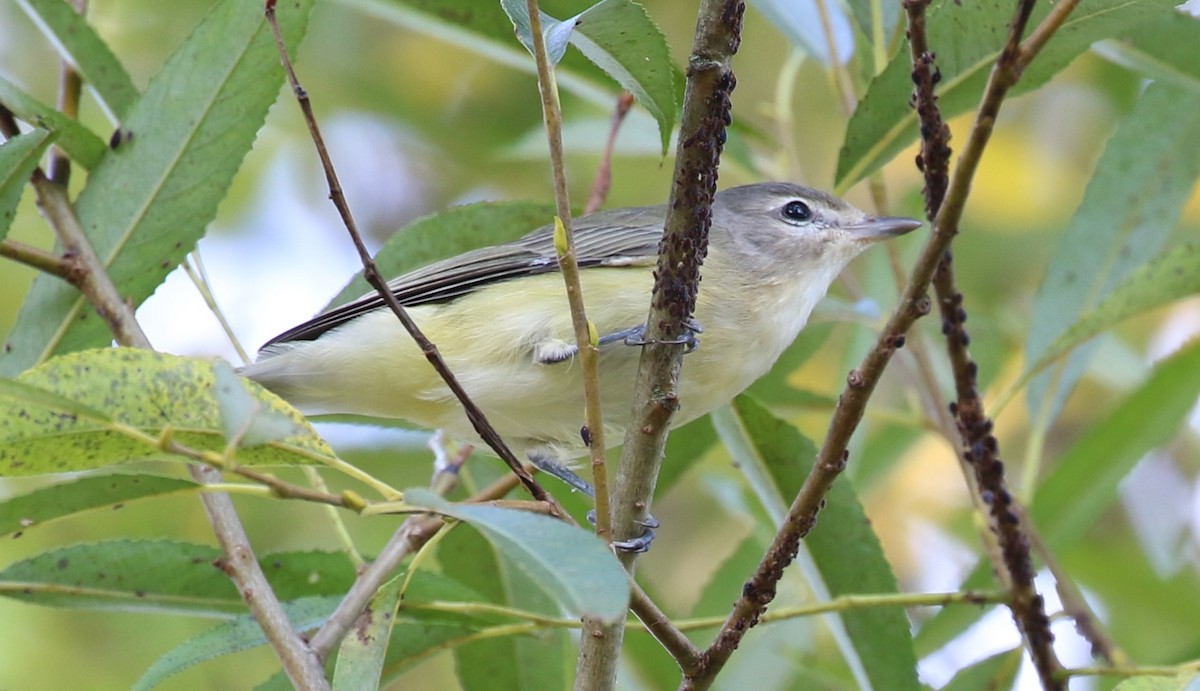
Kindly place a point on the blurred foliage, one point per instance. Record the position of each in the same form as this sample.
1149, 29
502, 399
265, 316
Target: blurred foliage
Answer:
421, 115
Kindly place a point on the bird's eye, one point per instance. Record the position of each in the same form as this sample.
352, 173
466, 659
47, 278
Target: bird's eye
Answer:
797, 210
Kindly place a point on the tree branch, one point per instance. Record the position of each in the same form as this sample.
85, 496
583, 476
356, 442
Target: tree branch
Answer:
706, 114
914, 303
980, 448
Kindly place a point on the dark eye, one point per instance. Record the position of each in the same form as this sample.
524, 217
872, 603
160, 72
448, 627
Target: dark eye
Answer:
797, 210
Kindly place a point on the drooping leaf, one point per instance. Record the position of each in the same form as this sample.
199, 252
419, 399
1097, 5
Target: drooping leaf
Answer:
84, 147
968, 36
148, 202
18, 157
517, 662
556, 34
449, 233
569, 563
78, 43
1131, 204
163, 576
240, 633
66, 498
1147, 683
95, 408
801, 22
844, 548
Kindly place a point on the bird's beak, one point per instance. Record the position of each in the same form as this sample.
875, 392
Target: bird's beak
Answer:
874, 228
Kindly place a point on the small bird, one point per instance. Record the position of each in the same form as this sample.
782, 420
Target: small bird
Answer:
500, 318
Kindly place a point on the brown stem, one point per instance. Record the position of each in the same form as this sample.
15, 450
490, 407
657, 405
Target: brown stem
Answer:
980, 448
706, 114
588, 353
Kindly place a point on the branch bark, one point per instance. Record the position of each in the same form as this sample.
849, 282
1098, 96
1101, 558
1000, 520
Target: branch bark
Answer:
706, 114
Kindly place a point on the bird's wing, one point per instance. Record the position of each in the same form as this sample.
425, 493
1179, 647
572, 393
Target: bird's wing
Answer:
622, 237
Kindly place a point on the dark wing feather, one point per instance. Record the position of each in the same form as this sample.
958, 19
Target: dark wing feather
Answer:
610, 238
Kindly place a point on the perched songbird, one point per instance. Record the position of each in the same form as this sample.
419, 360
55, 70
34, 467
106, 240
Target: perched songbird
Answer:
499, 316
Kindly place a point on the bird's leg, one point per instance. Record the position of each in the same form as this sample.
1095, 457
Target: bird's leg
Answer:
556, 351
550, 466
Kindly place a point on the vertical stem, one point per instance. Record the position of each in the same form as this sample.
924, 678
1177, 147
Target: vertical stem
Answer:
589, 354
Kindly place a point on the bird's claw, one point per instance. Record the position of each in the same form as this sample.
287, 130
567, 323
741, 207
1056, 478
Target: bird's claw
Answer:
636, 336
636, 545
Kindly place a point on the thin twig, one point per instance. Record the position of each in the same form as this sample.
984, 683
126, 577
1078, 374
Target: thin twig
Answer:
371, 273
861, 382
603, 180
1074, 604
588, 352
36, 258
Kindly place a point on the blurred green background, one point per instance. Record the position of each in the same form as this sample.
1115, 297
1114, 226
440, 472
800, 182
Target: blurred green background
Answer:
416, 124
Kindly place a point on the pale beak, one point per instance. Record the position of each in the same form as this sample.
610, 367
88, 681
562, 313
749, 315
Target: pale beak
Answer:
875, 228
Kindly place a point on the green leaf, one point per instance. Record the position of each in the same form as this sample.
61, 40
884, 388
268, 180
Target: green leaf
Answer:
1084, 482
79, 44
968, 36
1167, 278
1132, 202
148, 202
163, 576
621, 39
844, 548
1164, 50
642, 63
18, 157
507, 662
574, 566
449, 233
84, 147
66, 498
86, 410
241, 633
801, 22
244, 417
361, 656
1177, 683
